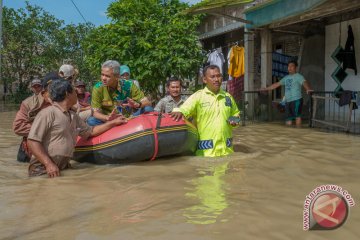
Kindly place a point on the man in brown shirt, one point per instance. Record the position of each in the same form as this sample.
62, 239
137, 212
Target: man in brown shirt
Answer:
36, 86
52, 137
26, 115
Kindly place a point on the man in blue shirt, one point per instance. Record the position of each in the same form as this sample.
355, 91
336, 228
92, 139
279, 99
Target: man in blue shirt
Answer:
293, 97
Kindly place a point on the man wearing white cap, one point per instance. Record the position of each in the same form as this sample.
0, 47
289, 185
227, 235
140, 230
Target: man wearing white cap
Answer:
67, 72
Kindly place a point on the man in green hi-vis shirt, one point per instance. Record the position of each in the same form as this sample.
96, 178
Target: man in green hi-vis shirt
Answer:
215, 114
111, 93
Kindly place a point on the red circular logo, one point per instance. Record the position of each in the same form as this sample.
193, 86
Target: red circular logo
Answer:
330, 210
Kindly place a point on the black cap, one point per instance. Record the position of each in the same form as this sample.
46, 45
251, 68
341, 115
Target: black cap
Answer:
48, 78
79, 83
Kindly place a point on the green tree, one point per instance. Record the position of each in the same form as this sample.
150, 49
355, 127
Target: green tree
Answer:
70, 47
28, 42
153, 37
35, 42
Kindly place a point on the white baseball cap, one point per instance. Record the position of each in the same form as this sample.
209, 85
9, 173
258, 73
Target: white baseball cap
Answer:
67, 70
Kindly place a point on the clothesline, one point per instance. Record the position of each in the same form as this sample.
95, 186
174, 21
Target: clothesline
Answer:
231, 44
236, 43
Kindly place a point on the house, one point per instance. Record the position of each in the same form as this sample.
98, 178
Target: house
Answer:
274, 31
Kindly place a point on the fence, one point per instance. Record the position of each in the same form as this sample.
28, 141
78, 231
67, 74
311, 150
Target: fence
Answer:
327, 112
259, 107
321, 110
255, 107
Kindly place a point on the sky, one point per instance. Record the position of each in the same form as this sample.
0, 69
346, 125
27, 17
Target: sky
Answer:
94, 11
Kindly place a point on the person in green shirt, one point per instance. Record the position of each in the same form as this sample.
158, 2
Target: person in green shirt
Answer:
215, 114
125, 75
112, 94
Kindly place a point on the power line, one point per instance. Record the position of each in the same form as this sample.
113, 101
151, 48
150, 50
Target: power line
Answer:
78, 11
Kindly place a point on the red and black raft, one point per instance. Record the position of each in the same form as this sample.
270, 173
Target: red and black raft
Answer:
144, 137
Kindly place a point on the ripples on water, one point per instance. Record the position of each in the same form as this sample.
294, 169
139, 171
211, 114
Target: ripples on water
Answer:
257, 193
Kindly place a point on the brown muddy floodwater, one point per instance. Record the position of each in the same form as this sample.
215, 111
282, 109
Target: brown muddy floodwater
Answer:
257, 193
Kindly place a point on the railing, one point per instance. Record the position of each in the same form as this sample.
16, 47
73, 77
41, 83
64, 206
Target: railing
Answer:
255, 107
326, 112
321, 109
259, 107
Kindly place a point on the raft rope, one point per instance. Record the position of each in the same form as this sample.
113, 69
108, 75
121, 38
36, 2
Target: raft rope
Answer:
156, 139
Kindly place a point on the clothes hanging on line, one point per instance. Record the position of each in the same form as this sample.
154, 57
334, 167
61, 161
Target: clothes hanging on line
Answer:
346, 97
349, 60
236, 87
228, 63
217, 58
228, 58
236, 60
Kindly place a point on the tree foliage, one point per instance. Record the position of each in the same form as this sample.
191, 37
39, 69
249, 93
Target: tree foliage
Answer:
153, 37
27, 42
35, 42
71, 49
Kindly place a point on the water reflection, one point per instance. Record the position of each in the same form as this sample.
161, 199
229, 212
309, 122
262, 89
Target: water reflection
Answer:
210, 192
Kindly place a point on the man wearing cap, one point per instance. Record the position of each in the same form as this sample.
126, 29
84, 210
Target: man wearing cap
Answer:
29, 108
67, 72
110, 93
36, 86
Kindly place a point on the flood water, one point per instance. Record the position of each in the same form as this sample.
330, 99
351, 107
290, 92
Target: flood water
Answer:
257, 193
